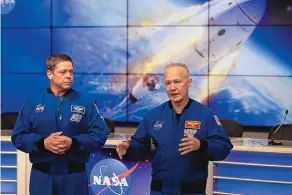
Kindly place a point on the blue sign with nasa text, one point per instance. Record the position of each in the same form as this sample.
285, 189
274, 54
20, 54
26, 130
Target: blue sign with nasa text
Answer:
111, 177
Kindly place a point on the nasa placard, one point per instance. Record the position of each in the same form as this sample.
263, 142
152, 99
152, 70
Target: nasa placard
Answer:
111, 177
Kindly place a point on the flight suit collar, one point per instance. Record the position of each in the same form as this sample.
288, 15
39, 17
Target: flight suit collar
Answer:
49, 91
186, 107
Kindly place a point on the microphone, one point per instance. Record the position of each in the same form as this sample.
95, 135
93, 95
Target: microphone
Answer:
272, 142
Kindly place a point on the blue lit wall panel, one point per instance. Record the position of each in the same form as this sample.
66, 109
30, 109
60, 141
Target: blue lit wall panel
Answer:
255, 172
23, 13
25, 50
251, 188
8, 188
15, 94
8, 173
94, 50
8, 159
7, 146
89, 13
260, 158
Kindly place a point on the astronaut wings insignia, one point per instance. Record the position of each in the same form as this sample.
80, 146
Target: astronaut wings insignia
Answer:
78, 109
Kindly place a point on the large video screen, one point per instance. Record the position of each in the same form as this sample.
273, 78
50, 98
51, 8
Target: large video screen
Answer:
238, 53
23, 13
25, 50
94, 50
89, 13
16, 89
255, 100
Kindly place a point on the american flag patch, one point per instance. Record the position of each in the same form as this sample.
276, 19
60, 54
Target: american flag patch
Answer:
217, 120
76, 117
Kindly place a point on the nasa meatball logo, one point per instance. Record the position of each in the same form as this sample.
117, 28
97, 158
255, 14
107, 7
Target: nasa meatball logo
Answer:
111, 177
7, 6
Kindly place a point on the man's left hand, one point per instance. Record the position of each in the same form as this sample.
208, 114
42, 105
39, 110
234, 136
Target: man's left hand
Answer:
64, 143
189, 144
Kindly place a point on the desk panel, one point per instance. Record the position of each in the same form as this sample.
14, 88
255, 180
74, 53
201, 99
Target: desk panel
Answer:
7, 146
254, 172
251, 188
8, 187
8, 173
260, 158
8, 159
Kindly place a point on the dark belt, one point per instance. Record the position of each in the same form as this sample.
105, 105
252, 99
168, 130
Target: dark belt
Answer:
73, 167
186, 187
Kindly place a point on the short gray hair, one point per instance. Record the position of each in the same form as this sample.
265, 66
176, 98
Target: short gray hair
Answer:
178, 65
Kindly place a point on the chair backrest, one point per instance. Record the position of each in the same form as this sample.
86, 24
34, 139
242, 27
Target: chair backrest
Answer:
284, 133
8, 120
232, 127
110, 124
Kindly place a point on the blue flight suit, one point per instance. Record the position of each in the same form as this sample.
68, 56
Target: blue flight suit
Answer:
160, 133
78, 118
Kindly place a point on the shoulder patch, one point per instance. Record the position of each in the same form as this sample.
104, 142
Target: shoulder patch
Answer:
217, 120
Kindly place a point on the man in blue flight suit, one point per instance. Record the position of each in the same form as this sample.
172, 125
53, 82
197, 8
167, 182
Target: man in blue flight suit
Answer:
182, 135
59, 129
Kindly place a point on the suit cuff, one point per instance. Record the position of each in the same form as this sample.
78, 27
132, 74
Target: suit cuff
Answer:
41, 144
75, 145
203, 146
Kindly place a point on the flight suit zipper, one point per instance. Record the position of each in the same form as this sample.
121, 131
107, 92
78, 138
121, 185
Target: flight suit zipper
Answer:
57, 107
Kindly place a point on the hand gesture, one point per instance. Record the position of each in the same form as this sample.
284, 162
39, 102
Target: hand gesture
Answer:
189, 144
123, 147
57, 143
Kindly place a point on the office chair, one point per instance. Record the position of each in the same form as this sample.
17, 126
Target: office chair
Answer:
110, 124
284, 132
8, 120
232, 127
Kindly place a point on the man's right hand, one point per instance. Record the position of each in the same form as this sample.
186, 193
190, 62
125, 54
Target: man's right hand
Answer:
51, 143
123, 147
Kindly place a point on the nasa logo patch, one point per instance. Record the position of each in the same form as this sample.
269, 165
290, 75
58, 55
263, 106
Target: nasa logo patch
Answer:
111, 177
158, 125
40, 108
